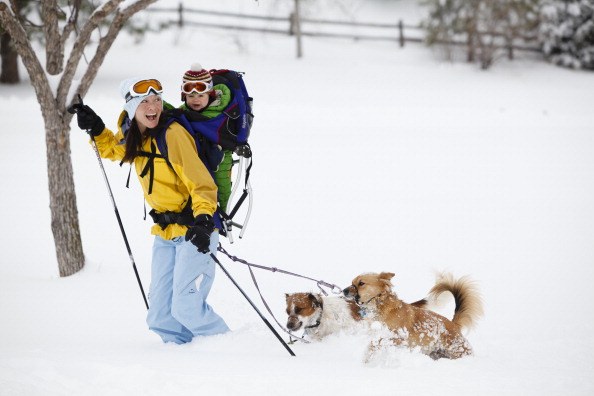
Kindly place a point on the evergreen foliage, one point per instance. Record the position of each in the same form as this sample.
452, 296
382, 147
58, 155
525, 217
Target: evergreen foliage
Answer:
567, 32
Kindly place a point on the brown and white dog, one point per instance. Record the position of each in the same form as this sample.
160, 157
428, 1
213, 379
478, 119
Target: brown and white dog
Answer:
413, 326
319, 315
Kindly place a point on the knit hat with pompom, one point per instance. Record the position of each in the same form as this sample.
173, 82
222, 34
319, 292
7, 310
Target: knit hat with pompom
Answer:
196, 73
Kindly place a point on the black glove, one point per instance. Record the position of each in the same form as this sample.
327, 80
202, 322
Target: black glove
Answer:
199, 232
87, 119
243, 151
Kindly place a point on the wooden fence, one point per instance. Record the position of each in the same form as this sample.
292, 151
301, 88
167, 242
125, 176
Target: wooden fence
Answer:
294, 25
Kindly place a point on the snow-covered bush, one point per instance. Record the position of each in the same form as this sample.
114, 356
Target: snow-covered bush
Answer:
567, 32
487, 29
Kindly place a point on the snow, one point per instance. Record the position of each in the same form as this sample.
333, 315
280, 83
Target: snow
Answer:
368, 158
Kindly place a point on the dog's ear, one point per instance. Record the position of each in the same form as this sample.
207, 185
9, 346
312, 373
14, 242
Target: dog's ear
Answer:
385, 277
315, 300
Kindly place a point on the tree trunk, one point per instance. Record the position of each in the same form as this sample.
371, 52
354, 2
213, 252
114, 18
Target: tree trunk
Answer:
470, 46
9, 58
64, 212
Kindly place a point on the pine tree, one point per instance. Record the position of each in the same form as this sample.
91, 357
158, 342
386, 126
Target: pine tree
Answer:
567, 32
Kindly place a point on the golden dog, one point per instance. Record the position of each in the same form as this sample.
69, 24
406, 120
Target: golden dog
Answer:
415, 327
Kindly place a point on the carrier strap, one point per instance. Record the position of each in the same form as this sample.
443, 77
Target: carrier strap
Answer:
150, 165
185, 217
239, 203
128, 179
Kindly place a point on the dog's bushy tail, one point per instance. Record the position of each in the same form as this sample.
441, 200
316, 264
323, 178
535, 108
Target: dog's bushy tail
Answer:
424, 303
469, 305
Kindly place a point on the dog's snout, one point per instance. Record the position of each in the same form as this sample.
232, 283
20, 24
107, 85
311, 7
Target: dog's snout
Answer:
293, 323
351, 293
348, 291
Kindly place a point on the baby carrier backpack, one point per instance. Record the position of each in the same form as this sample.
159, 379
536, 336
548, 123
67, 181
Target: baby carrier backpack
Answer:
231, 128
230, 131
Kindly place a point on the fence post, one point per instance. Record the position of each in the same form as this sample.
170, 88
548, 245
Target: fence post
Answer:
297, 29
401, 33
510, 46
292, 24
180, 11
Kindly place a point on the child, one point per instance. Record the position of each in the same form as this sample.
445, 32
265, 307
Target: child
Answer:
203, 100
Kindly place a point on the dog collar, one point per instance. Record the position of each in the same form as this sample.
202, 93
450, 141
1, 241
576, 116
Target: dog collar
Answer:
373, 298
363, 312
313, 325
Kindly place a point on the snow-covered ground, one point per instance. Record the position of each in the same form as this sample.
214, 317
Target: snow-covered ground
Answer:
368, 157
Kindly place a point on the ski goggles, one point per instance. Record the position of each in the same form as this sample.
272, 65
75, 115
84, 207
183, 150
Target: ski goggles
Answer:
144, 87
196, 86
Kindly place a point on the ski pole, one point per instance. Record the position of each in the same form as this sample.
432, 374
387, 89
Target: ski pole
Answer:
117, 213
253, 305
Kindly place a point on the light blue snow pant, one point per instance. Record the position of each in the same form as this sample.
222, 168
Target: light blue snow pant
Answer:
181, 278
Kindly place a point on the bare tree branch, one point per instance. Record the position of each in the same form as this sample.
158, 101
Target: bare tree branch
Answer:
136, 7
79, 46
14, 6
71, 24
38, 77
106, 42
54, 51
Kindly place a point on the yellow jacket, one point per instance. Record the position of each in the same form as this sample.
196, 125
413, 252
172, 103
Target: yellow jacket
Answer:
171, 187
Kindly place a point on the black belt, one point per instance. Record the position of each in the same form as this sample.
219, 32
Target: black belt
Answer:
185, 217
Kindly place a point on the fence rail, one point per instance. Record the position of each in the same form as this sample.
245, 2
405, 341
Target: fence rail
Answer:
396, 32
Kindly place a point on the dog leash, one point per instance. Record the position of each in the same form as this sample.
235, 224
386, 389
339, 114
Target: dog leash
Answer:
320, 283
292, 337
333, 288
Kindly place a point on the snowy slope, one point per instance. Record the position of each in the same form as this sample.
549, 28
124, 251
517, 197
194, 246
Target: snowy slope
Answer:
367, 158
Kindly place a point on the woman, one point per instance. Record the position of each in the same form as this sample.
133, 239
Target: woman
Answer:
182, 270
